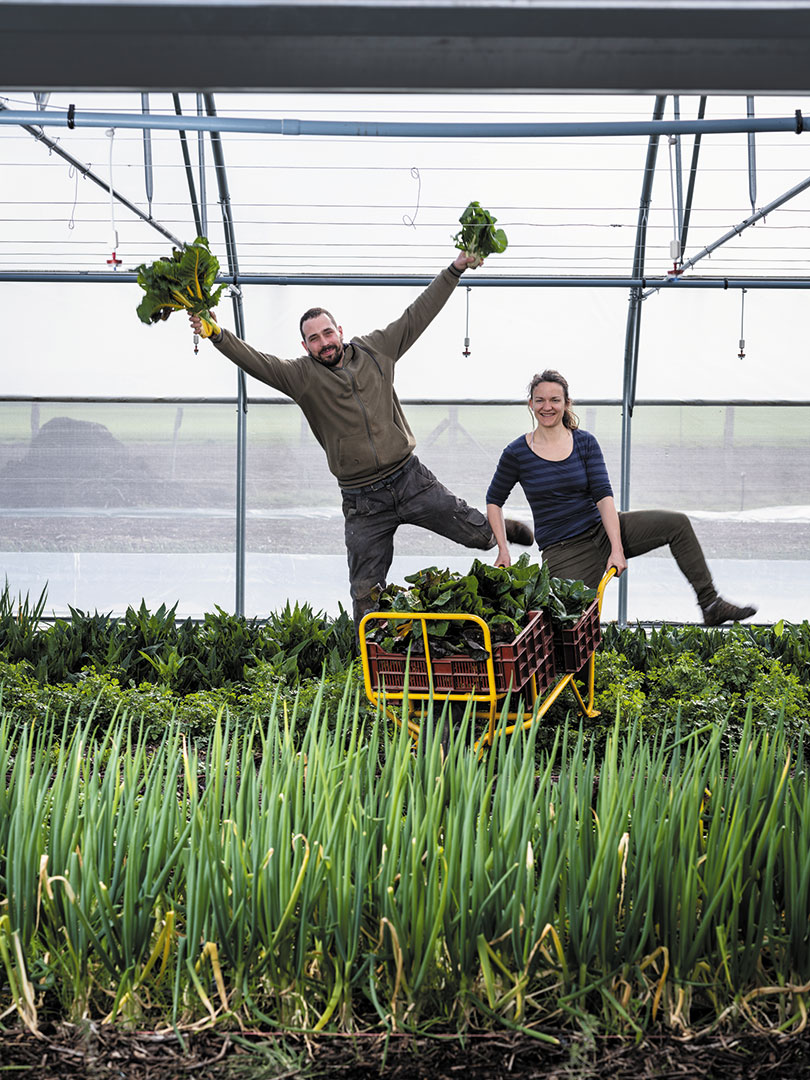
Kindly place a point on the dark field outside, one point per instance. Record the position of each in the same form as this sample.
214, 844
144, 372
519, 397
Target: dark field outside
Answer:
162, 477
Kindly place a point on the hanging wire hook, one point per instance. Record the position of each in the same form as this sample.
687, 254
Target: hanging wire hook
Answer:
73, 174
407, 219
113, 261
466, 349
741, 353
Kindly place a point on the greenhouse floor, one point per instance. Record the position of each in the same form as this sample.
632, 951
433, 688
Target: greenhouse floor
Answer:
110, 582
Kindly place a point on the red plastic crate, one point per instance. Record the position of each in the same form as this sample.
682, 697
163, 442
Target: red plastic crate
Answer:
574, 645
546, 670
514, 663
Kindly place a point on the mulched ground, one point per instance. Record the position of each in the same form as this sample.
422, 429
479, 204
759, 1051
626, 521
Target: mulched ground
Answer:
104, 1052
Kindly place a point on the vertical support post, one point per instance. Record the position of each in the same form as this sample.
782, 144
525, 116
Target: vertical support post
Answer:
201, 162
239, 324
147, 155
195, 209
752, 158
678, 167
633, 333
690, 190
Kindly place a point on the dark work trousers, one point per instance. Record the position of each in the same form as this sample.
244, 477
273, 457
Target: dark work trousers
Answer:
412, 496
584, 557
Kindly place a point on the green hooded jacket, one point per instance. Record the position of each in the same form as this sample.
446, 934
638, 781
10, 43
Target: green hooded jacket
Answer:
353, 410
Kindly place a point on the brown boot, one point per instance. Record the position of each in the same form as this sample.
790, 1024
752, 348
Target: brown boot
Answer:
721, 611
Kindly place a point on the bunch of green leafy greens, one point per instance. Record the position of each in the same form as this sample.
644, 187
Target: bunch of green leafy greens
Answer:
478, 237
569, 600
183, 282
502, 596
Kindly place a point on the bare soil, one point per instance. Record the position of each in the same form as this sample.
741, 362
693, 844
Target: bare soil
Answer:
96, 1052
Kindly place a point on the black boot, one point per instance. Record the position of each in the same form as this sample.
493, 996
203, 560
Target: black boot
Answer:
518, 533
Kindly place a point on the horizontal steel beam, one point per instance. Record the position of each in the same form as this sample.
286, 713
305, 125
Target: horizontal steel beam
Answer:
407, 46
107, 399
127, 277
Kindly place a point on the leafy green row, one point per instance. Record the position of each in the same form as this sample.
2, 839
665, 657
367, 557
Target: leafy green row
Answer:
715, 687
680, 687
156, 647
150, 666
789, 643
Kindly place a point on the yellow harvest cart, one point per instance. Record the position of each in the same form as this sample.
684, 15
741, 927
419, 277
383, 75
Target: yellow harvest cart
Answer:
536, 665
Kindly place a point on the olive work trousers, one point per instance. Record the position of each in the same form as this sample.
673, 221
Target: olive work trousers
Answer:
584, 557
372, 515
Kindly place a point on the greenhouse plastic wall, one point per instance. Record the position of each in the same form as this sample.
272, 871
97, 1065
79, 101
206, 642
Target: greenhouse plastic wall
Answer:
106, 503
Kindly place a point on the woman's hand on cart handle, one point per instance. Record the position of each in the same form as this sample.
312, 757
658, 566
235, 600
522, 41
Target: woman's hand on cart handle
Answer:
617, 562
600, 590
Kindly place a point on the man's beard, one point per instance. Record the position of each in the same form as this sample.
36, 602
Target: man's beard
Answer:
333, 359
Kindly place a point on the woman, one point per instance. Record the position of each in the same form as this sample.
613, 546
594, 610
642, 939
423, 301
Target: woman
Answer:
562, 472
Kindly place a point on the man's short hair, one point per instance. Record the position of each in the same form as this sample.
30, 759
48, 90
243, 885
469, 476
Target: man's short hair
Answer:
313, 313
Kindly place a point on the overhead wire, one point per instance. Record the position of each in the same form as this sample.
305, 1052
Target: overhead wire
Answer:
324, 214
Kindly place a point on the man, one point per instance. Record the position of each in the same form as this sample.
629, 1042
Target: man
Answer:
346, 391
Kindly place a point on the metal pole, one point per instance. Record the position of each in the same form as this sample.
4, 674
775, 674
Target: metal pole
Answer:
74, 118
632, 336
679, 169
239, 324
147, 155
690, 190
192, 191
751, 220
140, 399
752, 158
201, 165
504, 282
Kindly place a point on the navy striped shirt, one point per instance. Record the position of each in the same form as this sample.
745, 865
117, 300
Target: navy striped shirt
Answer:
562, 494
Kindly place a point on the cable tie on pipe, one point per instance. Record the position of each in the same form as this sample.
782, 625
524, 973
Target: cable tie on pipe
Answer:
71, 116
725, 283
799, 122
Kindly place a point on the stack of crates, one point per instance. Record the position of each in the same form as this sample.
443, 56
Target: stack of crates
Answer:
514, 663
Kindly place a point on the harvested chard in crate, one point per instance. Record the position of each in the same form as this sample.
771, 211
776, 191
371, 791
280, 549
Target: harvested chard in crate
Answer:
530, 653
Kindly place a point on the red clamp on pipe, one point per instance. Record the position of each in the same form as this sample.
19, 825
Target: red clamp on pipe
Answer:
114, 261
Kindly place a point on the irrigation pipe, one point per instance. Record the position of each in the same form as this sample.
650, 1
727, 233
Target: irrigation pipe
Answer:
74, 118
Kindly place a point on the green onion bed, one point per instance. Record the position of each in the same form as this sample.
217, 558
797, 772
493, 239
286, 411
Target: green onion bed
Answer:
346, 879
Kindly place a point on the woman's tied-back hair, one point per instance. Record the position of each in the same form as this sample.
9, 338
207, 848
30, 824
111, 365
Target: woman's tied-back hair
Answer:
570, 418
313, 313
